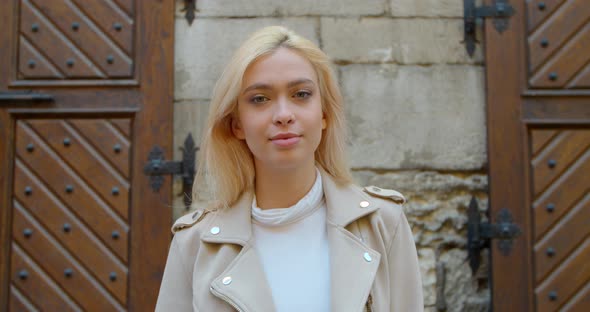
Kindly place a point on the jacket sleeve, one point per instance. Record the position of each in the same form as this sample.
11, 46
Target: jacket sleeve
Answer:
176, 289
404, 273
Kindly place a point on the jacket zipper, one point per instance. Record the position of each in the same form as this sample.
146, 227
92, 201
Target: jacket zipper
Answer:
225, 298
369, 305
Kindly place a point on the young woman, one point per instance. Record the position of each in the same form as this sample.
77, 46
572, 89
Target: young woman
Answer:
289, 231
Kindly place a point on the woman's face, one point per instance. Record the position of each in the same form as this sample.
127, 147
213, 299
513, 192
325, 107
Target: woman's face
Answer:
279, 111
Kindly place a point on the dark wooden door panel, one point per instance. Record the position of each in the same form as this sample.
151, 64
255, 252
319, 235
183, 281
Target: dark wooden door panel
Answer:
538, 118
78, 239
81, 228
562, 243
54, 50
60, 265
77, 152
70, 187
78, 29
112, 21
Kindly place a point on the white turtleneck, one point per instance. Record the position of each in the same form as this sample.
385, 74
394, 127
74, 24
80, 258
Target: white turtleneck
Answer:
293, 246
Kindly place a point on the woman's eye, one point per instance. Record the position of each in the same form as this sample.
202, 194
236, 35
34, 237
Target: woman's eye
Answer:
302, 94
258, 99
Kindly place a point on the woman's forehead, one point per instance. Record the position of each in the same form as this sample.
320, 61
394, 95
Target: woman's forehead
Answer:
283, 67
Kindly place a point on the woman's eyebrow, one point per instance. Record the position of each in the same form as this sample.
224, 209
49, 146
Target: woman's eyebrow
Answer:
265, 86
257, 86
300, 81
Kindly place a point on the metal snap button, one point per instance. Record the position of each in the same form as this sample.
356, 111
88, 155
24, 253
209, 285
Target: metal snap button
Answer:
215, 230
367, 257
226, 280
364, 204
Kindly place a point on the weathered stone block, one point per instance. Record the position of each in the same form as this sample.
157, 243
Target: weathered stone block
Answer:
413, 181
415, 117
427, 259
202, 50
402, 41
286, 8
462, 291
430, 8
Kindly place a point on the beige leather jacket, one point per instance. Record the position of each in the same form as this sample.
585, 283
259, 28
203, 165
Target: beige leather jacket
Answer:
374, 266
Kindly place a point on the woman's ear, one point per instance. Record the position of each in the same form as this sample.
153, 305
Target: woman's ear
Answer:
324, 124
236, 129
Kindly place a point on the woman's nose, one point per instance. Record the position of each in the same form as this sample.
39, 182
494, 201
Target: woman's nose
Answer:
283, 114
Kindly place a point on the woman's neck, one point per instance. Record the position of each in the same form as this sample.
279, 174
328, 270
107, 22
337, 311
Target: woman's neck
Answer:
283, 188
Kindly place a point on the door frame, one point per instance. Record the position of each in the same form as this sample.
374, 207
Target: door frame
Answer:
512, 109
152, 121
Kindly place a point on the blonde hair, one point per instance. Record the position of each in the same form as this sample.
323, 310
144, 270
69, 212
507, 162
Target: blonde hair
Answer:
226, 162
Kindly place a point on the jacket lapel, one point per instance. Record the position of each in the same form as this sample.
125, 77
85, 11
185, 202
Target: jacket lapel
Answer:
243, 283
353, 263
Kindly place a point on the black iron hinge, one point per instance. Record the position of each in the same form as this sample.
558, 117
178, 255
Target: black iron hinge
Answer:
500, 11
190, 7
158, 166
480, 233
25, 96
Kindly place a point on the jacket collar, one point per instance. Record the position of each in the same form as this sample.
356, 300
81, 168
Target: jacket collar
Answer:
249, 289
345, 204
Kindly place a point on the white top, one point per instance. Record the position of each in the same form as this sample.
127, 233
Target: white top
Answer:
293, 246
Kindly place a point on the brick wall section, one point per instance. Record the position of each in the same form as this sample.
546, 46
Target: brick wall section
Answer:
415, 104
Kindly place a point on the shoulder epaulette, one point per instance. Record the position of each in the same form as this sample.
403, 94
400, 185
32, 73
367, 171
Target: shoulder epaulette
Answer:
189, 220
394, 195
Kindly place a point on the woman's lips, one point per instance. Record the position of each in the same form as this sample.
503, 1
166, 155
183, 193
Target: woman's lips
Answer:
286, 142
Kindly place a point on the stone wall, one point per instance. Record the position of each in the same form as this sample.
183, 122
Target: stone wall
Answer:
415, 104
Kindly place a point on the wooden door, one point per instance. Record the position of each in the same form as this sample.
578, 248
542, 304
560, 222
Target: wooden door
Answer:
85, 93
538, 118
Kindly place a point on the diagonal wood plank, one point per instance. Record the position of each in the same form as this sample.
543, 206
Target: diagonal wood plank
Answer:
557, 29
565, 281
56, 47
38, 286
540, 138
33, 64
127, 5
565, 63
78, 239
582, 80
107, 140
123, 125
81, 200
580, 302
537, 14
19, 302
84, 159
87, 37
56, 261
561, 195
111, 20
559, 242
564, 149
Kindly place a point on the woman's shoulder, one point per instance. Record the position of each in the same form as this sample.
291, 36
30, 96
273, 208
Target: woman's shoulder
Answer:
390, 203
193, 221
